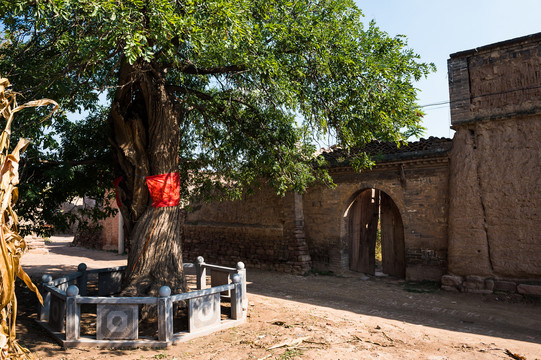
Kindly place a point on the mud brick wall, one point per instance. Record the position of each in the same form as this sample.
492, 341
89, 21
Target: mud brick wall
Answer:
495, 81
495, 163
263, 230
421, 196
426, 257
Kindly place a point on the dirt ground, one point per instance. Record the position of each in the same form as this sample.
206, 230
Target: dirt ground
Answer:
330, 317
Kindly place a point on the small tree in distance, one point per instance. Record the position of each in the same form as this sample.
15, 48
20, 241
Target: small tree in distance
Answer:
240, 89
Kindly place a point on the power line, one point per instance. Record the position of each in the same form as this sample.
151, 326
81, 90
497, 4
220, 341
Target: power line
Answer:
436, 104
436, 108
447, 102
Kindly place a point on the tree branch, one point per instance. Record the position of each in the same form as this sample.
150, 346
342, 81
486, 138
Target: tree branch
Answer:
71, 163
184, 90
190, 68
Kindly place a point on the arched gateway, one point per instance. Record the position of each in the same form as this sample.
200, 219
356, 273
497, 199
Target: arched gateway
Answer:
405, 193
375, 234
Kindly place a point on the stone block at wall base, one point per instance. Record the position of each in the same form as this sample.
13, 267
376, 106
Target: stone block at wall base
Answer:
532, 290
474, 284
505, 286
489, 284
481, 285
451, 280
475, 279
477, 291
449, 288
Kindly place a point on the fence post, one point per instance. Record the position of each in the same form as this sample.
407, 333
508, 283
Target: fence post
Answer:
241, 270
236, 298
165, 314
73, 314
83, 279
200, 273
46, 279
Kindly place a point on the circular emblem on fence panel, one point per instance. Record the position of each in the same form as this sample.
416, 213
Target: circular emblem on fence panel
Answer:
206, 310
117, 321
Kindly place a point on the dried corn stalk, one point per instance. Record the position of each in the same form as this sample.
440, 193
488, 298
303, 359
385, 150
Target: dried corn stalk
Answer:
12, 245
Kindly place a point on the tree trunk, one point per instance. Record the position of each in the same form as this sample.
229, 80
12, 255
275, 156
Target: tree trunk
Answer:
145, 136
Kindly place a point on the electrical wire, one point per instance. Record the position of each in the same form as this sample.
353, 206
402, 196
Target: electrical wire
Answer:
479, 96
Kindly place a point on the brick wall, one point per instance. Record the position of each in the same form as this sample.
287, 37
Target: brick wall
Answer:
263, 230
421, 196
295, 232
496, 81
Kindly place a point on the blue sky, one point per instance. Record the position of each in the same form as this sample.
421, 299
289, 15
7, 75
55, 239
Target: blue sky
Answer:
435, 29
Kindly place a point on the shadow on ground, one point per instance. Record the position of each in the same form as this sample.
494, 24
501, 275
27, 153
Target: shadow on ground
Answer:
421, 304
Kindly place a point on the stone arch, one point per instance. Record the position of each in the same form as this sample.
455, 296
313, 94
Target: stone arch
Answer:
371, 213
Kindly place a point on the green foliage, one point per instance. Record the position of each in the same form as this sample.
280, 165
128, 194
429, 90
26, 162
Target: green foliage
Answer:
291, 354
379, 255
257, 84
77, 166
162, 355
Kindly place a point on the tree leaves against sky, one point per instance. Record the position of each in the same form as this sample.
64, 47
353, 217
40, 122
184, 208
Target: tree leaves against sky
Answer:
258, 83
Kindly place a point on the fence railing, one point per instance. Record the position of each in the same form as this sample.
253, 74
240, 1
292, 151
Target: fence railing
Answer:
117, 318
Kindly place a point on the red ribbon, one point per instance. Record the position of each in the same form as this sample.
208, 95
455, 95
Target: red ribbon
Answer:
116, 182
164, 189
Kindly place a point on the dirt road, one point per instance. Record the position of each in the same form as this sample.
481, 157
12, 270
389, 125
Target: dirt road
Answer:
330, 317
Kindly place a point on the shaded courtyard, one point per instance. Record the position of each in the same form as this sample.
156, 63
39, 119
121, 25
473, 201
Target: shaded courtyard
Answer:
325, 317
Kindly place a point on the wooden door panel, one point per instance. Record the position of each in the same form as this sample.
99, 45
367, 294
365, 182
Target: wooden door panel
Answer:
392, 238
387, 237
399, 247
355, 235
363, 221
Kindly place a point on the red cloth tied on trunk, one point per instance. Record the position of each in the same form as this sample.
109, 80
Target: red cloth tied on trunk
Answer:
116, 182
164, 189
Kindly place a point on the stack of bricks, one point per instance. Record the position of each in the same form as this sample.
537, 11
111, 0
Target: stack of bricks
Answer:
488, 285
299, 255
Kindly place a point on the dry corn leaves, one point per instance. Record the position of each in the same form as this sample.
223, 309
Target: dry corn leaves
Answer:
514, 356
12, 245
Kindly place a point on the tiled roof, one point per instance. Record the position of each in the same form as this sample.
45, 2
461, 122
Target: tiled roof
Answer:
382, 152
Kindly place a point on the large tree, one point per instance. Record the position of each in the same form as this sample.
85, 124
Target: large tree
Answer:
225, 92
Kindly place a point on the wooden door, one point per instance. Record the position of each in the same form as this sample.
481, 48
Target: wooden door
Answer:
392, 238
363, 227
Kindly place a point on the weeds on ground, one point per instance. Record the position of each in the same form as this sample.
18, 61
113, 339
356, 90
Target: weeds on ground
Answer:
319, 273
160, 356
290, 354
